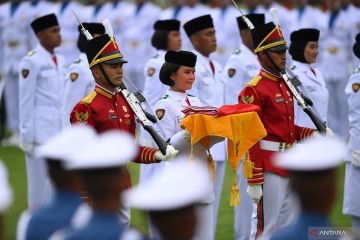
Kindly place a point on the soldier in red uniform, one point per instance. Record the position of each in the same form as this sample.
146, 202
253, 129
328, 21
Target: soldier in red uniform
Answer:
105, 108
269, 185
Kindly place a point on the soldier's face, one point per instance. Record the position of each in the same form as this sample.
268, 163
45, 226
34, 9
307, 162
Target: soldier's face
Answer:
278, 58
174, 41
114, 72
50, 37
311, 52
205, 41
183, 79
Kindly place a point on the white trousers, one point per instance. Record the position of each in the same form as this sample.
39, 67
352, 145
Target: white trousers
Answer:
243, 212
351, 203
276, 209
220, 167
205, 222
40, 189
338, 108
11, 94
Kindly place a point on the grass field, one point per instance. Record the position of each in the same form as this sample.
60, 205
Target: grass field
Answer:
15, 161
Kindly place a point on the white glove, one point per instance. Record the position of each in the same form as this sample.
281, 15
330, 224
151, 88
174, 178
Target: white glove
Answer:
329, 133
355, 160
27, 147
170, 154
255, 192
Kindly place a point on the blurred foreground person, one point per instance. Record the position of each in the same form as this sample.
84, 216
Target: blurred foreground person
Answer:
352, 174
172, 199
102, 165
67, 185
312, 166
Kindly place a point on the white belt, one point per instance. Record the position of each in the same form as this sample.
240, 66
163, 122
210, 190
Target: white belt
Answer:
274, 146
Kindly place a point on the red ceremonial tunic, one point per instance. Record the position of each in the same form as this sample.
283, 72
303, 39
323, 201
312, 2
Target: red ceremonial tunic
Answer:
272, 95
104, 111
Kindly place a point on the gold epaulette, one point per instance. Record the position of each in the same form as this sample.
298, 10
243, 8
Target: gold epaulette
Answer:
89, 98
253, 82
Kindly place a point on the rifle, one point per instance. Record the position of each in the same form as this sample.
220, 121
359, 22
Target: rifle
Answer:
292, 82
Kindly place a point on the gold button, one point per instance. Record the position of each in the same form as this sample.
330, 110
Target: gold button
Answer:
291, 134
289, 118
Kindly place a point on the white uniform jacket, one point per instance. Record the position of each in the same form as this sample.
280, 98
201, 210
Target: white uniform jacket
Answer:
15, 29
315, 89
169, 110
335, 50
241, 67
227, 35
41, 93
210, 88
307, 17
154, 89
353, 99
137, 33
79, 83
69, 33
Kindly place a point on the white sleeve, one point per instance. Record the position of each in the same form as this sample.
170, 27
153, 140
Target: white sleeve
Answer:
354, 110
154, 89
28, 77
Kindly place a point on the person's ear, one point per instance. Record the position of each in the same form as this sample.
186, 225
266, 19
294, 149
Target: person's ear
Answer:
96, 72
172, 76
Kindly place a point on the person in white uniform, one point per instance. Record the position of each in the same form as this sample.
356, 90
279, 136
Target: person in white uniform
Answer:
42, 82
304, 50
68, 24
178, 72
351, 205
172, 199
224, 14
243, 63
335, 62
209, 86
241, 67
166, 37
306, 15
136, 39
79, 79
14, 25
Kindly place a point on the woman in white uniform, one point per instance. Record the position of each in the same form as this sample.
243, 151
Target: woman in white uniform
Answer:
178, 72
304, 50
166, 37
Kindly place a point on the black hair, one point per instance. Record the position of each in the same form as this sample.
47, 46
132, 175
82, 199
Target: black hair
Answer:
159, 39
165, 72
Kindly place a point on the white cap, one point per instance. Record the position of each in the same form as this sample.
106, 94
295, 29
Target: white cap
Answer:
110, 149
66, 142
181, 184
6, 195
314, 154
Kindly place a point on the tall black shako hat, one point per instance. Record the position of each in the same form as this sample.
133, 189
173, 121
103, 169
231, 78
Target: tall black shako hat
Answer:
268, 37
255, 18
299, 40
356, 47
103, 49
198, 24
44, 22
93, 28
167, 25
184, 58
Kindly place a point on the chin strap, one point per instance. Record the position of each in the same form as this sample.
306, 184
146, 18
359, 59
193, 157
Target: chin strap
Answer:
272, 62
105, 75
